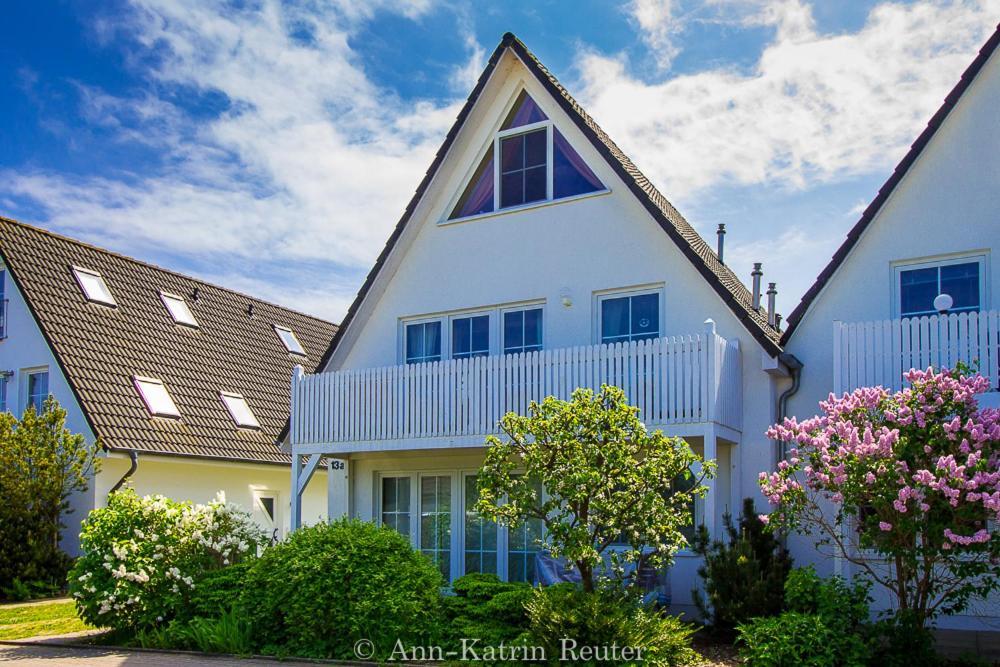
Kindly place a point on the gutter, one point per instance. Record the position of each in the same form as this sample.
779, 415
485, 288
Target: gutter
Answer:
795, 370
134, 456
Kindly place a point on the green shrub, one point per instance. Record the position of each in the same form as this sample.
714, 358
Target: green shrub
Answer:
826, 625
143, 555
606, 617
216, 591
487, 609
744, 575
330, 585
41, 465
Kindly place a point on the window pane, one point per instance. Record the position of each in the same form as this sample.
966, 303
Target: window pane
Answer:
38, 390
645, 316
470, 337
917, 289
460, 338
423, 342
570, 174
961, 282
414, 341
478, 195
435, 521
523, 544
524, 112
432, 341
534, 184
513, 331
512, 189
480, 334
533, 328
512, 153
535, 148
396, 503
480, 535
614, 319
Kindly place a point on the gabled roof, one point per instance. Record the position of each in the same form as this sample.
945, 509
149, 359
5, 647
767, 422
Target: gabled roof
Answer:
732, 290
100, 348
889, 186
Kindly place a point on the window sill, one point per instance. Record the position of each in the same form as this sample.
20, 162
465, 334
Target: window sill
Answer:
523, 207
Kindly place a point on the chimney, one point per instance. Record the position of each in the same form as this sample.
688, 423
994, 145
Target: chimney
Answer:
756, 275
777, 321
721, 233
771, 294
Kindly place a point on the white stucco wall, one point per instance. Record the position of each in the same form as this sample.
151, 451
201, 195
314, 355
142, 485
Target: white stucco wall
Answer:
183, 479
948, 203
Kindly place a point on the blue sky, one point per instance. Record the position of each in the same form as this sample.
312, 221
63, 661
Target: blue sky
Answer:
271, 146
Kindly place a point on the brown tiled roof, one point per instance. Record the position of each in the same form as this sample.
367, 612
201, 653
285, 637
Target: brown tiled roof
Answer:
702, 256
101, 348
890, 185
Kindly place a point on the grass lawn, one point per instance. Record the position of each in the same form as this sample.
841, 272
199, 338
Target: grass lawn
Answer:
20, 621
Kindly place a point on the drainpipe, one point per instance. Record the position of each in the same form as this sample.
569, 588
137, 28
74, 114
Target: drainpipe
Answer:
795, 369
134, 456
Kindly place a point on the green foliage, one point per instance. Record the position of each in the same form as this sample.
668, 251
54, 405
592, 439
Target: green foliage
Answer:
485, 608
604, 617
20, 591
607, 481
216, 591
744, 575
825, 625
330, 585
41, 465
142, 557
902, 642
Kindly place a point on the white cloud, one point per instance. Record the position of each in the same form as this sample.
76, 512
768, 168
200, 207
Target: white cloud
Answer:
310, 161
658, 27
816, 108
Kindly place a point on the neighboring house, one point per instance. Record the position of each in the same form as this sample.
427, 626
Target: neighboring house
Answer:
534, 258
933, 229
184, 383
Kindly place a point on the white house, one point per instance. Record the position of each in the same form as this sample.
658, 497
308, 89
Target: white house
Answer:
184, 383
534, 258
933, 229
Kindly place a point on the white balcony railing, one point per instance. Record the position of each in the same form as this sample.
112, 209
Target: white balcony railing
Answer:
678, 380
868, 354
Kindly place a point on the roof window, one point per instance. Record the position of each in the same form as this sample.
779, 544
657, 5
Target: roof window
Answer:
93, 286
154, 395
239, 410
179, 309
289, 340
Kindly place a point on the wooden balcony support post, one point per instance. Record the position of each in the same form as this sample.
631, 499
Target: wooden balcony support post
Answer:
711, 453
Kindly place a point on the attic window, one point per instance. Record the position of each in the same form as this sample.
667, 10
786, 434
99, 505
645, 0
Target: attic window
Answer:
154, 395
93, 286
239, 410
179, 309
289, 340
536, 164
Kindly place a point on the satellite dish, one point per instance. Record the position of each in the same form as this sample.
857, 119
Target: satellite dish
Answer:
943, 303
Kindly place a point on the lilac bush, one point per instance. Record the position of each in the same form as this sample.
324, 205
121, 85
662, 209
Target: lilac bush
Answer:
904, 485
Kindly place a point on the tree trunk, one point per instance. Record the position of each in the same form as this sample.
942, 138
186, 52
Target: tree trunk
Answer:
586, 576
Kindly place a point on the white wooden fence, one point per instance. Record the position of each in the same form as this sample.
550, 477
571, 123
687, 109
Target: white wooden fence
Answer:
686, 379
868, 354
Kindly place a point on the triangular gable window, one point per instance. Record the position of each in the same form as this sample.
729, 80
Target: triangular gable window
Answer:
536, 164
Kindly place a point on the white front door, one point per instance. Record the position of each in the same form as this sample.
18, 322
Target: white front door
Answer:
266, 512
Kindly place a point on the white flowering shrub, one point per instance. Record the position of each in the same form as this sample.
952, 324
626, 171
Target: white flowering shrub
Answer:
143, 557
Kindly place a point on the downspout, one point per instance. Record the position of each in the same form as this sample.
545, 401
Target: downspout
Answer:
134, 456
795, 370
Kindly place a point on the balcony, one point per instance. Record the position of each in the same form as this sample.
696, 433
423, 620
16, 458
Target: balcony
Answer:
868, 354
680, 384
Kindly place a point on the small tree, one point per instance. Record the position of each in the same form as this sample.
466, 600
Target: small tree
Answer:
41, 465
744, 574
913, 476
607, 480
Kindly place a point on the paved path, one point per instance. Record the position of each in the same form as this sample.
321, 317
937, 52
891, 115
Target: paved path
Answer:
47, 655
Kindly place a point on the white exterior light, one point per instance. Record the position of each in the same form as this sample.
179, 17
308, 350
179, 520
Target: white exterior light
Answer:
943, 303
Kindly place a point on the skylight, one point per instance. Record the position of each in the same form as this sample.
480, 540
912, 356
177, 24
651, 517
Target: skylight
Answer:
239, 410
154, 395
179, 309
289, 340
93, 286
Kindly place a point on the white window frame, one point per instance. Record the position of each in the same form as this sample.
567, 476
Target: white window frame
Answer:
446, 319
301, 351
603, 295
138, 381
179, 310
519, 309
982, 257
499, 134
226, 397
79, 271
4, 390
25, 374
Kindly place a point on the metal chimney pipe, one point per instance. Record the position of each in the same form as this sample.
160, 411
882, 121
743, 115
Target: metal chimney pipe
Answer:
771, 294
756, 275
721, 234
777, 321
